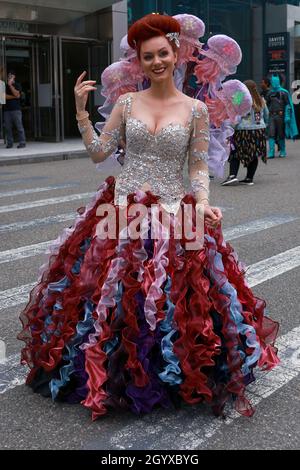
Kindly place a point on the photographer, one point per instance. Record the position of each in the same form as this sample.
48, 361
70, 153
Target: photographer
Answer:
12, 112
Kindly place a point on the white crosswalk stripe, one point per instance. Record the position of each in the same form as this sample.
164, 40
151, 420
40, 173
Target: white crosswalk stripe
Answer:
23, 225
258, 225
21, 192
257, 273
230, 233
272, 267
15, 296
15, 254
44, 202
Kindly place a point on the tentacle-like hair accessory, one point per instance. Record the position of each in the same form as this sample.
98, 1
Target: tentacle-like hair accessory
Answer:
222, 55
191, 29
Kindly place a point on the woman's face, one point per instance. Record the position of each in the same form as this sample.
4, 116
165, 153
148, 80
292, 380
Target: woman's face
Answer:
157, 58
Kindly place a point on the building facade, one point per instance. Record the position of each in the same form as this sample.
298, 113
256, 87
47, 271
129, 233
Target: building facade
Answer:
267, 31
48, 44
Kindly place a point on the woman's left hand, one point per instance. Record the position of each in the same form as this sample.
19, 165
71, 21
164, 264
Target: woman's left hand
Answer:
212, 216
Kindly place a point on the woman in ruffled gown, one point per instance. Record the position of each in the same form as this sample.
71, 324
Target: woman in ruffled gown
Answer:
139, 322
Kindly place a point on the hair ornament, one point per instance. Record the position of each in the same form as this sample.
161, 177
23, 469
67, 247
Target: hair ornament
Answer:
174, 37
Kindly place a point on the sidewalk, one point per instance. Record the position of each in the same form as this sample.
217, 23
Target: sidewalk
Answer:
36, 152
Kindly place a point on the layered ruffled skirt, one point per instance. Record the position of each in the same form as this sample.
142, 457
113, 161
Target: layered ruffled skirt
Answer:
140, 323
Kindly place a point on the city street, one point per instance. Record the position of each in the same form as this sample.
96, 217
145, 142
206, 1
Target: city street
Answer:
38, 200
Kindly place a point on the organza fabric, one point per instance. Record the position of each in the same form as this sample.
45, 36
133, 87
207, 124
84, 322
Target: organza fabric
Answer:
136, 323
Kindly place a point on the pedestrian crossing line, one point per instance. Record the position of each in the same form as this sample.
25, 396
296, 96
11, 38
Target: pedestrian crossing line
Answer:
25, 179
12, 373
21, 192
258, 225
274, 266
231, 233
24, 252
256, 274
44, 202
15, 296
27, 224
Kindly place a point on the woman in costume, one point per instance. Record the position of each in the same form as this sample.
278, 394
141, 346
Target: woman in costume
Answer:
140, 322
249, 141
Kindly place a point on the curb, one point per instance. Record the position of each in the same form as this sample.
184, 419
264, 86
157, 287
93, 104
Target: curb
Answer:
43, 158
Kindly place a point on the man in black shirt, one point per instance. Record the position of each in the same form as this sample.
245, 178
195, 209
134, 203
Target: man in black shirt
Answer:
265, 87
12, 112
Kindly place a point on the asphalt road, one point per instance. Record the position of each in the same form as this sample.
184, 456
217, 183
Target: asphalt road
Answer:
263, 222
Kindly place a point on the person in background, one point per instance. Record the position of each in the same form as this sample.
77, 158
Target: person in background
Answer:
249, 140
282, 123
265, 87
12, 112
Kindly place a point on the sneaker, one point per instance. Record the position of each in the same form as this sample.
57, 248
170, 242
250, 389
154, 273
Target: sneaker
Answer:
232, 179
9, 146
21, 146
247, 181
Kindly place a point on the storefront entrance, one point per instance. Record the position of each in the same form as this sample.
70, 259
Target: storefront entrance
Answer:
46, 68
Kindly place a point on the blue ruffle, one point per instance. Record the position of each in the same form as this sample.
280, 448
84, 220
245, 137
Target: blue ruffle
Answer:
82, 328
172, 371
217, 273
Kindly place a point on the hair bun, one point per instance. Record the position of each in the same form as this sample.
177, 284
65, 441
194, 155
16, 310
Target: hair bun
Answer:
151, 26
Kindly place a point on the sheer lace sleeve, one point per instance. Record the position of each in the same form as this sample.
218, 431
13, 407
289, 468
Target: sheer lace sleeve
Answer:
198, 156
101, 146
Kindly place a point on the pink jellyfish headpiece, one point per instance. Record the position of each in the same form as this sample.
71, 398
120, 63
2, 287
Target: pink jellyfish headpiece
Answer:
232, 101
237, 99
225, 51
192, 28
117, 79
220, 59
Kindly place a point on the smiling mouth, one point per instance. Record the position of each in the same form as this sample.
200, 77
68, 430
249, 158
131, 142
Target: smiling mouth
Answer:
159, 71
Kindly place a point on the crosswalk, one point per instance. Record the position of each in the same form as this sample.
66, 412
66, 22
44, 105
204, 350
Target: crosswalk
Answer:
257, 273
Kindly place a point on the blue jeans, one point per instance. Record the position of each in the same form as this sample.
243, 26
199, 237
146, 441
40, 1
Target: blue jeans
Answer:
14, 118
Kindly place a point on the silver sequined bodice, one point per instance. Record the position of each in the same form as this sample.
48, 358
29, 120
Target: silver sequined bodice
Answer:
156, 161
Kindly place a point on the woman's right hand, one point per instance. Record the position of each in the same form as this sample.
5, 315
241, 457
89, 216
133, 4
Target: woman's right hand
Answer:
81, 91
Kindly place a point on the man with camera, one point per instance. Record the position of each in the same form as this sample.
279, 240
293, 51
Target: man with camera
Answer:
12, 112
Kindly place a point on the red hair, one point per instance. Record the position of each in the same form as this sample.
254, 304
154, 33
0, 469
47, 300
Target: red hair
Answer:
151, 26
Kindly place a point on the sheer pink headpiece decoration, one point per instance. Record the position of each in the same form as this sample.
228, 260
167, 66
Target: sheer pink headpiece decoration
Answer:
191, 29
118, 79
236, 98
127, 52
231, 102
225, 51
